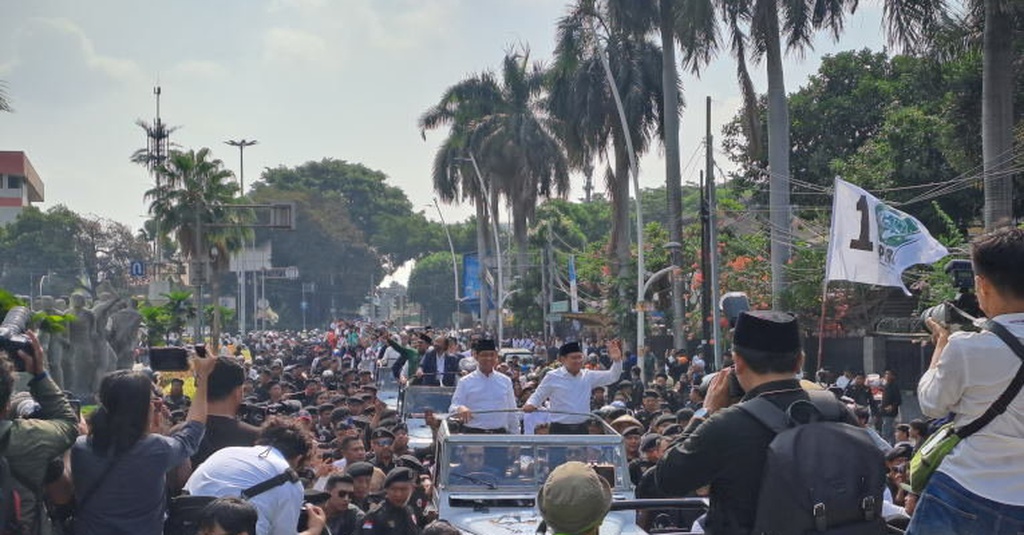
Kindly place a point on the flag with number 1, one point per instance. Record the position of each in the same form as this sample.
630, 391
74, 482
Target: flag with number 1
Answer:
873, 243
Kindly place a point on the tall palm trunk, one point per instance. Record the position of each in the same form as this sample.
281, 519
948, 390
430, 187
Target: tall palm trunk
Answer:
673, 180
482, 230
621, 220
520, 230
997, 114
778, 158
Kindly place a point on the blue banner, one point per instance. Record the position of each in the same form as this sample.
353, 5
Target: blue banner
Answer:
470, 277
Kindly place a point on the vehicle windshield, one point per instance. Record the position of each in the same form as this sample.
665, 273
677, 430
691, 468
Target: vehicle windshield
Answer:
418, 400
522, 467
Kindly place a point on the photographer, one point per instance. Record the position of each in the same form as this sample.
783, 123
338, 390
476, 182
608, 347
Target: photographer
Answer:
34, 442
980, 484
224, 397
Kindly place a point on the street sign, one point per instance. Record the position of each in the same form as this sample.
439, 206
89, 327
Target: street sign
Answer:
644, 306
262, 303
559, 306
554, 318
291, 273
304, 305
137, 269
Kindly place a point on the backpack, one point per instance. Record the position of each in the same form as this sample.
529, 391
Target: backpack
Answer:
185, 511
821, 474
10, 500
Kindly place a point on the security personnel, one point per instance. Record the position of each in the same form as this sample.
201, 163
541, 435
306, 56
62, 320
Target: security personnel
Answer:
393, 516
420, 500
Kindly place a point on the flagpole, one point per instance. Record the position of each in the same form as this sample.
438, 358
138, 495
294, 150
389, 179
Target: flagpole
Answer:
821, 323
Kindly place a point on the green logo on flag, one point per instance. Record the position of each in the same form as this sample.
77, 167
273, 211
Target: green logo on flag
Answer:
896, 229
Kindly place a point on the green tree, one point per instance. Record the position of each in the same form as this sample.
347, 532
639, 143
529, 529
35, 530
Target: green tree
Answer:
38, 244
431, 285
380, 211
194, 203
589, 124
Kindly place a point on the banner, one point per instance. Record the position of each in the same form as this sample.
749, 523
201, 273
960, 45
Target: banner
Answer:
873, 243
574, 297
470, 276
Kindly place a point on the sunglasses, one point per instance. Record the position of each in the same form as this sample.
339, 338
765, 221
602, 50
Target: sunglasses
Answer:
385, 442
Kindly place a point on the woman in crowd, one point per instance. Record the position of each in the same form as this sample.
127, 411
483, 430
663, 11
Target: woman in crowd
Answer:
119, 469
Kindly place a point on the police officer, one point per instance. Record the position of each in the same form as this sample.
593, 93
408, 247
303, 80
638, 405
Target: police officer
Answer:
420, 500
393, 516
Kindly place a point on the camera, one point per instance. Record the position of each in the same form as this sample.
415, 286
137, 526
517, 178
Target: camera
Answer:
253, 414
961, 311
12, 335
162, 359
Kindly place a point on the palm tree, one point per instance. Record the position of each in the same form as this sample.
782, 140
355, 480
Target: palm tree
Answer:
988, 25
502, 125
193, 204
5, 104
589, 126
764, 24
517, 147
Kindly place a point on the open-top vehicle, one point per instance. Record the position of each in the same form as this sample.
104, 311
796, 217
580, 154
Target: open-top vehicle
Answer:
415, 403
487, 484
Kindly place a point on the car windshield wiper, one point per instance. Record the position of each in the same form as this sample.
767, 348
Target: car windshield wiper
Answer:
478, 481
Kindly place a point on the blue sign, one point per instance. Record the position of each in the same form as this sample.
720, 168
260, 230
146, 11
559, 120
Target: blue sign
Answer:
470, 276
304, 305
137, 268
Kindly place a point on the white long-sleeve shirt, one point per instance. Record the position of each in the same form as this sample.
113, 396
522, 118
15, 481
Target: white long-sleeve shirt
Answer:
479, 392
973, 371
229, 471
571, 393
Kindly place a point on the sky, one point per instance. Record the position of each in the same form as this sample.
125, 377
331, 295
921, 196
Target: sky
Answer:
308, 79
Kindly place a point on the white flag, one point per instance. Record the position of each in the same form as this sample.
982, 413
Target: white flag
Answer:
873, 243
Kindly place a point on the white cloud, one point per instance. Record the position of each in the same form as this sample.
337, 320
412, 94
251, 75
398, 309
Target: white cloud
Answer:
57, 60
198, 69
290, 46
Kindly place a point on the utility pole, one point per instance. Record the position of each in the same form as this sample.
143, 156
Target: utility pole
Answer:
713, 241
705, 270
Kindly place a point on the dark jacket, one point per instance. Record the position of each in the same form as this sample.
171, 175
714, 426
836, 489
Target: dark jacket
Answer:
387, 519
727, 452
429, 367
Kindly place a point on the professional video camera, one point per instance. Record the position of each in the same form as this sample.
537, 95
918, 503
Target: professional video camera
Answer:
959, 313
12, 335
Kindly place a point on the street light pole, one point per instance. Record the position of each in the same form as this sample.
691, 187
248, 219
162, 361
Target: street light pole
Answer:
497, 243
455, 265
241, 144
242, 273
640, 267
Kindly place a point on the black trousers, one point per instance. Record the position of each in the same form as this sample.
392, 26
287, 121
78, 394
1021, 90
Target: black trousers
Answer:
569, 429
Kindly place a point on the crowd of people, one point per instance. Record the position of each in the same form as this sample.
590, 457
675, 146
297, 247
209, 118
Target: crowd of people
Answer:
284, 433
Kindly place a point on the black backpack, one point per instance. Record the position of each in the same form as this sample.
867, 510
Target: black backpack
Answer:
186, 511
10, 500
821, 475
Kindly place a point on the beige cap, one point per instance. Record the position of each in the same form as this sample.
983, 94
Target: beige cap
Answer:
574, 498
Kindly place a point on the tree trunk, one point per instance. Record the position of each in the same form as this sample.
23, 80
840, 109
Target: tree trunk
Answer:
621, 227
778, 160
673, 180
520, 228
997, 114
482, 231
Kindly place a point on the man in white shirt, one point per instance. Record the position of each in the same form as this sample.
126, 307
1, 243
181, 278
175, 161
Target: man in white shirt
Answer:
283, 445
568, 388
979, 487
486, 390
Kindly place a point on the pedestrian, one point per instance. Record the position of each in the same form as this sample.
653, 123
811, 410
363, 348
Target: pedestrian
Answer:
728, 450
568, 388
890, 410
120, 469
979, 486
228, 516
574, 499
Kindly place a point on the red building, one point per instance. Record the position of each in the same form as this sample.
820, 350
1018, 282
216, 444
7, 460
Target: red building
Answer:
20, 185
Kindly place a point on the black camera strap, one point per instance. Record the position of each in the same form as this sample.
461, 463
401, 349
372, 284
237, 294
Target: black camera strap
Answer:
1011, 391
288, 476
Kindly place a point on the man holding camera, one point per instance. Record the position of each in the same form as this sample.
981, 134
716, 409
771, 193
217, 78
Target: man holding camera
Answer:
979, 487
32, 443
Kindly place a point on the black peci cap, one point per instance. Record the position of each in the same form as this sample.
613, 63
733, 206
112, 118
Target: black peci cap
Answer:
767, 331
568, 348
